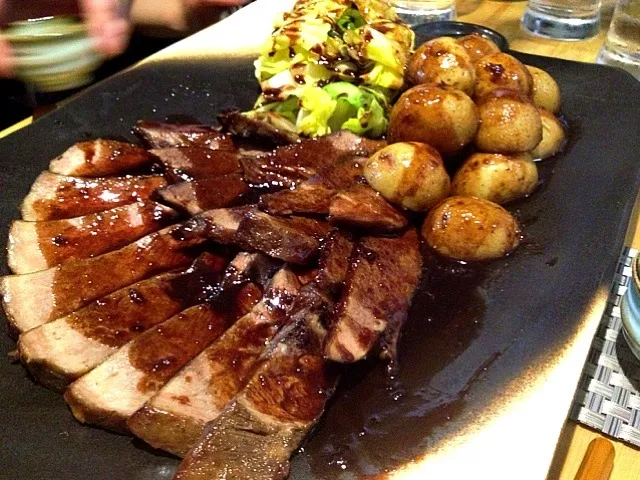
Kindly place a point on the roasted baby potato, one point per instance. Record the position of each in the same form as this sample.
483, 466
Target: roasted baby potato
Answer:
509, 123
409, 174
500, 70
470, 229
442, 61
496, 177
478, 46
446, 118
546, 93
553, 136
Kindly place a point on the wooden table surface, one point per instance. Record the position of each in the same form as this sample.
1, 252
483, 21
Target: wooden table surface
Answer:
504, 16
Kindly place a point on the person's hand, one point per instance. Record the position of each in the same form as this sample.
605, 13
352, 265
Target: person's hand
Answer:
6, 60
108, 24
106, 20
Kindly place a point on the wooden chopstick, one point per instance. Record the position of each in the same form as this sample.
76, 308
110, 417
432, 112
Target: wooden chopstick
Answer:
597, 463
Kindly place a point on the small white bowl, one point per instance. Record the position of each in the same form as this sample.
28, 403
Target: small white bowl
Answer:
52, 53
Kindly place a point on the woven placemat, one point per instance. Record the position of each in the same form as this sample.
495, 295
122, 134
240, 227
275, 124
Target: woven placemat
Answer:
608, 396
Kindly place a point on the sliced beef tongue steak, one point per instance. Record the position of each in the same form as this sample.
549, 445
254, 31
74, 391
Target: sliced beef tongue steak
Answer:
97, 158
219, 225
207, 193
314, 196
174, 417
166, 135
296, 239
334, 263
380, 284
361, 207
35, 246
192, 163
109, 394
55, 197
277, 132
35, 298
291, 164
255, 435
65, 349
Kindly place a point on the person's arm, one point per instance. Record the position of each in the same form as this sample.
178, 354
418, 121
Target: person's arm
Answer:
178, 17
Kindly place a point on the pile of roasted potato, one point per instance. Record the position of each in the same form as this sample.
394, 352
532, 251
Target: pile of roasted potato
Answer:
467, 96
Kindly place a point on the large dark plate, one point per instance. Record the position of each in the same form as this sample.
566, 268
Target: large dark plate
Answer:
456, 362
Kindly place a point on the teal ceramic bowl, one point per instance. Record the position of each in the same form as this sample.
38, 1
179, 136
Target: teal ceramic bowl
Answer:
52, 53
630, 310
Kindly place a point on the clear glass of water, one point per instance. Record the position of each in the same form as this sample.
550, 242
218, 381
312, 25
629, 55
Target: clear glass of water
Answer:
414, 12
622, 46
562, 19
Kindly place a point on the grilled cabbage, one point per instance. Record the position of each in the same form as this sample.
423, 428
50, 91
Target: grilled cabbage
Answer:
333, 64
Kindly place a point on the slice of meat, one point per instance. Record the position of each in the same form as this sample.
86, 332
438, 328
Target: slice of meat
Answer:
166, 135
255, 435
297, 383
36, 298
291, 164
361, 207
207, 193
381, 280
192, 163
35, 246
55, 197
309, 197
65, 349
250, 267
220, 225
114, 390
173, 419
314, 196
334, 263
97, 158
270, 127
295, 240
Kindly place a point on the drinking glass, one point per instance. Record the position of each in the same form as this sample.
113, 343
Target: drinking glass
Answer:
622, 46
414, 12
562, 19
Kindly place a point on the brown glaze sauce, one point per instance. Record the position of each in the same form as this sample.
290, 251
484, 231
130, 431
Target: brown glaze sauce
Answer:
164, 135
371, 433
59, 241
118, 318
295, 240
110, 156
292, 388
233, 359
162, 352
308, 156
496, 71
78, 282
191, 163
218, 192
83, 196
292, 384
382, 277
